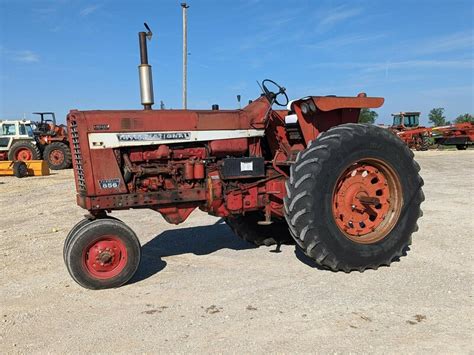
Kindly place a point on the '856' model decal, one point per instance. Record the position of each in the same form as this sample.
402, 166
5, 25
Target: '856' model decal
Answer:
109, 183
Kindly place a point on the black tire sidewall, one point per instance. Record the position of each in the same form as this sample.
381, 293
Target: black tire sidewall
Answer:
91, 232
75, 230
72, 234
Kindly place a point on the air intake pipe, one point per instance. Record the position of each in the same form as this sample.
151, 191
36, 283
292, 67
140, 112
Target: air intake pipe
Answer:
144, 71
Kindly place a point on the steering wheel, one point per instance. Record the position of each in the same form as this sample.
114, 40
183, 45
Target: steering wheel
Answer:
272, 96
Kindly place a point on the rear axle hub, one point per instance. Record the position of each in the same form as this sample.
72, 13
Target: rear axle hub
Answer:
366, 194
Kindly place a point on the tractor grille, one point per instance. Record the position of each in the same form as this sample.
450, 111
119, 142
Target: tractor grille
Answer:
76, 151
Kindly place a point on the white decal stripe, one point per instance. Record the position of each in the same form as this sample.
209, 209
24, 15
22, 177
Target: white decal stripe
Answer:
111, 140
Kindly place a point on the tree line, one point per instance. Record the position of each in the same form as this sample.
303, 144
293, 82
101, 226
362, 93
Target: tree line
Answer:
436, 117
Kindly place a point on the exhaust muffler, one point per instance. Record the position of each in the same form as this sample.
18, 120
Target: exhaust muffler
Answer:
144, 70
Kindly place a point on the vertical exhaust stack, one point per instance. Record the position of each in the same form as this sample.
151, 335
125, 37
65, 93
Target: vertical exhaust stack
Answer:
144, 71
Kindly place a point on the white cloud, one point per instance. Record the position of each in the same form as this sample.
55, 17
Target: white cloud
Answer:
336, 15
448, 43
89, 10
342, 41
383, 66
421, 64
25, 56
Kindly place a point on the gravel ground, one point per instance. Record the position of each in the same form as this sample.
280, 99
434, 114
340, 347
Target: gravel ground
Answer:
201, 289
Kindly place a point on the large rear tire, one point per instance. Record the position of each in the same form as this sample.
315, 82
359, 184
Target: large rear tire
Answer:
247, 227
103, 253
24, 151
58, 156
353, 198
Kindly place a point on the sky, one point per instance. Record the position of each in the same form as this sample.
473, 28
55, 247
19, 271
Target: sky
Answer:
59, 55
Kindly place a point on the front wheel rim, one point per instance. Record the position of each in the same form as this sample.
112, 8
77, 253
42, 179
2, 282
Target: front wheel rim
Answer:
105, 257
367, 201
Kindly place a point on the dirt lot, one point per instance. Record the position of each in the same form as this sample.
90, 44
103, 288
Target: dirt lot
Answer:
201, 289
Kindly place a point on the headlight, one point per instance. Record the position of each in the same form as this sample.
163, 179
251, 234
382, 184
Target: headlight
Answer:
304, 108
312, 106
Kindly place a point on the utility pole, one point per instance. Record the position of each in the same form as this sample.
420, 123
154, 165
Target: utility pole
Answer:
185, 55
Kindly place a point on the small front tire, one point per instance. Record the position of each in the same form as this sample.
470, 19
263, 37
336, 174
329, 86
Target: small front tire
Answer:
103, 253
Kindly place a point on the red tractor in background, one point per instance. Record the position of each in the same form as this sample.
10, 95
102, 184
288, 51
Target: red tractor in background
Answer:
53, 141
461, 135
406, 125
348, 194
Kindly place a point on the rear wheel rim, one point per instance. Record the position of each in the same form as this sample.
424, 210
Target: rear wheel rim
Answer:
367, 201
56, 157
105, 257
23, 154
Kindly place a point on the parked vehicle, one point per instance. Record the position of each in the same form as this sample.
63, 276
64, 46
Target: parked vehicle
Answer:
52, 141
17, 141
348, 194
461, 135
27, 140
406, 125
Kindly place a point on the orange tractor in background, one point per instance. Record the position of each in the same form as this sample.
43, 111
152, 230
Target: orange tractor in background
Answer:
53, 142
406, 125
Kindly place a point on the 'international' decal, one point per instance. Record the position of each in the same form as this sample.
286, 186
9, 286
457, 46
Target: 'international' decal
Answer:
125, 137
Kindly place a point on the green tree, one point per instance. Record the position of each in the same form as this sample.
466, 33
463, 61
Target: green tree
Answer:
436, 116
467, 117
367, 116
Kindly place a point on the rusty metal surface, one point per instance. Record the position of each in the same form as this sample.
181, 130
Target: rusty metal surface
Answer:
328, 103
175, 179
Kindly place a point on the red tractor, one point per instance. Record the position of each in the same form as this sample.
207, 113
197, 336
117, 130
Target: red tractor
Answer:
406, 125
349, 194
53, 141
461, 135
